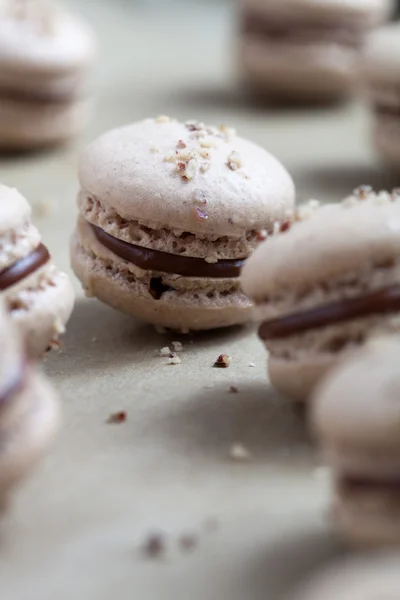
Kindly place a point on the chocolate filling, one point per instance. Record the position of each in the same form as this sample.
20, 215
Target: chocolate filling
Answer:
24, 267
383, 301
273, 29
164, 262
360, 484
21, 95
14, 385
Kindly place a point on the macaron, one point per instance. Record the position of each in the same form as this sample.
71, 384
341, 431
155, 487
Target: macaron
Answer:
305, 50
325, 285
38, 296
45, 55
379, 73
168, 214
356, 416
372, 577
29, 411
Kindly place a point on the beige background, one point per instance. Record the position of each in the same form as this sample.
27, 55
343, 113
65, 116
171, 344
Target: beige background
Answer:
76, 526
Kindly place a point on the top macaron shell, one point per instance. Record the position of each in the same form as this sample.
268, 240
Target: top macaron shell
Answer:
10, 350
53, 41
368, 11
18, 236
131, 170
358, 404
336, 240
380, 59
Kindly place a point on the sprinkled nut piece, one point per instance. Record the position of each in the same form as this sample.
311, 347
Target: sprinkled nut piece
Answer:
261, 235
363, 192
201, 214
165, 351
234, 161
239, 453
163, 119
205, 167
178, 347
223, 361
174, 360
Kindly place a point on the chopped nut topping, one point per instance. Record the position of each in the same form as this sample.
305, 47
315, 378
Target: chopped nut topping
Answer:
195, 126
285, 226
261, 235
205, 167
170, 158
211, 260
174, 360
190, 169
363, 192
234, 161
165, 351
228, 132
154, 546
178, 347
223, 361
163, 119
204, 153
118, 417
208, 143
185, 155
239, 453
201, 214
181, 144
181, 166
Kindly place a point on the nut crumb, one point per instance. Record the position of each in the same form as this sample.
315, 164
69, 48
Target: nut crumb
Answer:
285, 226
201, 214
211, 260
223, 361
154, 546
174, 360
163, 119
234, 161
165, 351
204, 153
188, 542
181, 144
200, 197
190, 169
233, 389
170, 158
228, 132
252, 364
208, 143
205, 167
178, 347
118, 417
363, 192
261, 235
239, 453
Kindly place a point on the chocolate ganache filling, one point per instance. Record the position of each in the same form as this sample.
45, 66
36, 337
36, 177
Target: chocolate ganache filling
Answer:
24, 267
360, 484
278, 30
155, 260
374, 303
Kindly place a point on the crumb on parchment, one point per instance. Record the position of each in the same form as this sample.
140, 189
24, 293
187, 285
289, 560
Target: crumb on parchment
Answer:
118, 417
174, 360
223, 361
239, 453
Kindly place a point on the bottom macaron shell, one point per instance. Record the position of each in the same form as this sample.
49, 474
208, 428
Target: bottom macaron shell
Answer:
387, 139
297, 73
25, 125
27, 428
41, 312
173, 311
368, 520
297, 379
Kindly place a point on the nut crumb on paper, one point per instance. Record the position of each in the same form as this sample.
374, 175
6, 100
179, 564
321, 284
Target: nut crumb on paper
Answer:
118, 417
165, 351
154, 546
174, 360
178, 346
223, 361
239, 453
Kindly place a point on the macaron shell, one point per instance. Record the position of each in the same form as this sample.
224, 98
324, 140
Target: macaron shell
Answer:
41, 305
336, 241
177, 311
297, 378
25, 124
126, 169
15, 216
27, 428
314, 71
54, 42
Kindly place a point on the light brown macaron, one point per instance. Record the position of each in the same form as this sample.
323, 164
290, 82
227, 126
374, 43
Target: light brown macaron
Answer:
326, 285
168, 214
372, 577
379, 72
356, 416
29, 411
305, 50
45, 56
38, 296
